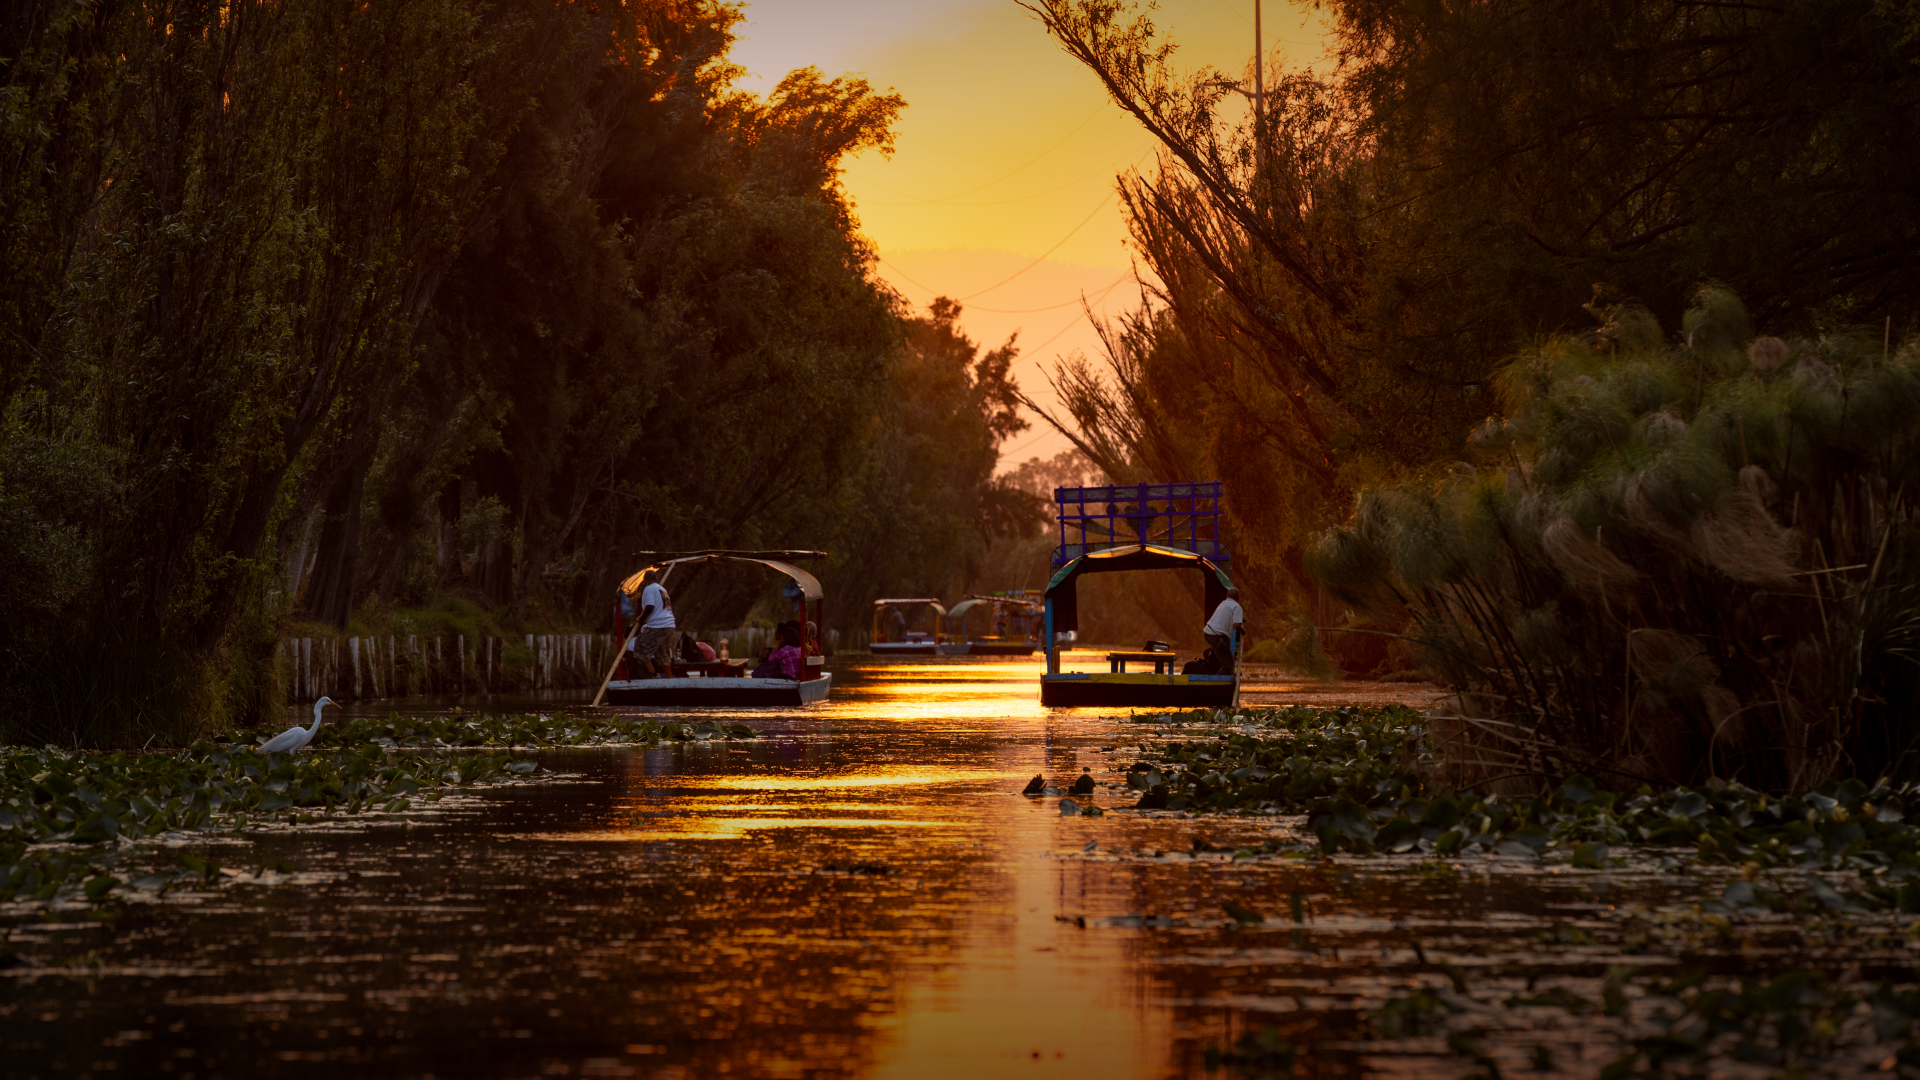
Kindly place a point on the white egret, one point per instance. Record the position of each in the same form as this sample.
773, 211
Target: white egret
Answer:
296, 737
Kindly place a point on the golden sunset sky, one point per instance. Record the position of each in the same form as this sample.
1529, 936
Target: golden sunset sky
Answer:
1000, 192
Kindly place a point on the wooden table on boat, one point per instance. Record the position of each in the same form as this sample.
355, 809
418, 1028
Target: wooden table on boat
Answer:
1162, 661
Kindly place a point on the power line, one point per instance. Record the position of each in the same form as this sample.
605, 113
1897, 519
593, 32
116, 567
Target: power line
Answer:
1044, 254
1106, 169
1056, 307
961, 195
1015, 274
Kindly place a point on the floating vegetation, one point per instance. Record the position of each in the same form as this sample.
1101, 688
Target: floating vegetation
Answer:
1358, 775
460, 729
94, 801
1676, 1026
52, 796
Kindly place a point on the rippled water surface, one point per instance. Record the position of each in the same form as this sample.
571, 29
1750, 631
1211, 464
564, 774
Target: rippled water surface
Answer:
862, 892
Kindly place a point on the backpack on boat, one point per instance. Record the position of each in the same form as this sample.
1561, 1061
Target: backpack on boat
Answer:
1205, 664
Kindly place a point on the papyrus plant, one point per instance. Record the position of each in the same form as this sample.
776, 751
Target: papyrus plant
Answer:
1674, 560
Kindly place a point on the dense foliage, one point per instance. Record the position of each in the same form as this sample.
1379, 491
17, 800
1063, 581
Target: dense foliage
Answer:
1672, 563
1337, 276
309, 307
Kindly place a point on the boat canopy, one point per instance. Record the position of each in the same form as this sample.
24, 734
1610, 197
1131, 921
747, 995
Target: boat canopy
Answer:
960, 609
781, 561
1063, 597
937, 605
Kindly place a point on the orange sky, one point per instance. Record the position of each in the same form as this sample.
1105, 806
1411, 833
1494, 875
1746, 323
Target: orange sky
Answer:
1000, 190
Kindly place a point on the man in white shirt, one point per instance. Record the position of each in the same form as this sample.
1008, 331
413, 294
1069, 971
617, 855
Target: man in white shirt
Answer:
658, 639
1222, 628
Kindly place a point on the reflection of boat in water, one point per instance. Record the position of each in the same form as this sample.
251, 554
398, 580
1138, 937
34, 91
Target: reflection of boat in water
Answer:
1015, 619
891, 619
1134, 527
722, 682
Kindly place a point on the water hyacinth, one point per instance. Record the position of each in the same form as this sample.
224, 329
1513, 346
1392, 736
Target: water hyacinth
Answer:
52, 796
1365, 780
459, 729
1674, 564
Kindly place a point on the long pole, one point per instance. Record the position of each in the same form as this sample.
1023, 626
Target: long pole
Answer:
1238, 637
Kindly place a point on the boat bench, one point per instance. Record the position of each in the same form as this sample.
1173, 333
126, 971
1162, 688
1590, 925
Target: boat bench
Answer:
1163, 662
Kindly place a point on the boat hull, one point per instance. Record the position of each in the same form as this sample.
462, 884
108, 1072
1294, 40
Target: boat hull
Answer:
904, 648
988, 648
1137, 690
727, 692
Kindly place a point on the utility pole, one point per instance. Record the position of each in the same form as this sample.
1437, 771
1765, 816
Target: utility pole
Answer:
1259, 73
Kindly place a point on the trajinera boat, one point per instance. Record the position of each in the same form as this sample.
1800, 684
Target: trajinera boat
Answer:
721, 682
891, 619
1013, 618
1135, 527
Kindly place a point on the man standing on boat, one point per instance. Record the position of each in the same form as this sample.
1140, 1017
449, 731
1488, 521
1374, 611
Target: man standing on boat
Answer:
1223, 627
654, 647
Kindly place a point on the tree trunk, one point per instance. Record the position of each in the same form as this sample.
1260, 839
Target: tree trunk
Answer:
329, 596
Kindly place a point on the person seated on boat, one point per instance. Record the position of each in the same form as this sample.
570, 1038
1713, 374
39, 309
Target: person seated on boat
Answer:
659, 638
1223, 627
813, 639
695, 652
896, 621
999, 621
785, 661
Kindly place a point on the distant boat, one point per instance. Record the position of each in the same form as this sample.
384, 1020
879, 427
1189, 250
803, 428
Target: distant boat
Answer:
721, 682
1014, 618
891, 619
1134, 527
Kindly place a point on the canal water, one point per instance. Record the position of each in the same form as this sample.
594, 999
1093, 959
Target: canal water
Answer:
862, 892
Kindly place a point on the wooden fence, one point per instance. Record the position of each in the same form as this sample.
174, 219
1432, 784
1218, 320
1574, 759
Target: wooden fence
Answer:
405, 665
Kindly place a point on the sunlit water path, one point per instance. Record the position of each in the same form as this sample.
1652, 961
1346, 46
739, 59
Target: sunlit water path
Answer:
862, 892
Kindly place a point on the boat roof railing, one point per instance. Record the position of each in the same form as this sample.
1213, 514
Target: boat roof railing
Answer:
1183, 516
909, 600
782, 561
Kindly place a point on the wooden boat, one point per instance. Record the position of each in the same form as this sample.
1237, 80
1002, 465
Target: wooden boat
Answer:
898, 640
721, 691
721, 683
1015, 617
1172, 527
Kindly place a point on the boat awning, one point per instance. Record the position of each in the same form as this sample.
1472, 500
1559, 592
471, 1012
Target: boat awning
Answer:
1064, 598
665, 562
937, 605
1026, 607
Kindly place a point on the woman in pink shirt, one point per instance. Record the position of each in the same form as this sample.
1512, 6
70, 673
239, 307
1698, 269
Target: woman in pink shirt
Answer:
785, 661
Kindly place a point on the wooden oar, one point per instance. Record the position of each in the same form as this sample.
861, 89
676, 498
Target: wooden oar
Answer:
617, 657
